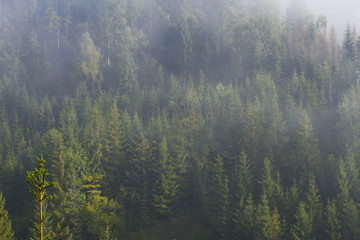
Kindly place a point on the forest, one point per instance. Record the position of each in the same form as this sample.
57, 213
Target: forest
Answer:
181, 119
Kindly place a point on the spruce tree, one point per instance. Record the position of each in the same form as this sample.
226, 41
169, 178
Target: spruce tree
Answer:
313, 204
6, 232
38, 186
348, 45
267, 224
114, 154
47, 225
304, 227
166, 185
246, 219
332, 221
348, 210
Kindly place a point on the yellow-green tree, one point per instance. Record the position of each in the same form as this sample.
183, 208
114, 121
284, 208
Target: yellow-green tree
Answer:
38, 186
90, 61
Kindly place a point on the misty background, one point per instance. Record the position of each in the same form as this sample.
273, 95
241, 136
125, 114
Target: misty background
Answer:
338, 12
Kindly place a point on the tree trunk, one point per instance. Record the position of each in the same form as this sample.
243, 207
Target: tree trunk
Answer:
41, 215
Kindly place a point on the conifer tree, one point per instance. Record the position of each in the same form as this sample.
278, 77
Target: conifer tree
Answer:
332, 221
54, 150
166, 186
47, 225
348, 210
271, 188
94, 139
6, 232
247, 219
114, 153
348, 45
38, 186
217, 195
74, 205
304, 227
268, 224
240, 185
313, 204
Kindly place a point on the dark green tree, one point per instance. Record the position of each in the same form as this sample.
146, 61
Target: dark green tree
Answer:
348, 45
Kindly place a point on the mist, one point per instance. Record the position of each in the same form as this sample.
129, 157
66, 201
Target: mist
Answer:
179, 119
338, 12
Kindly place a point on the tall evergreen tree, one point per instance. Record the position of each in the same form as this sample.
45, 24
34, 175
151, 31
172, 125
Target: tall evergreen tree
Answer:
332, 221
114, 153
38, 186
348, 45
166, 186
47, 226
304, 227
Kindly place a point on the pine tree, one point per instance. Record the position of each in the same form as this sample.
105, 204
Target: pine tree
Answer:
6, 232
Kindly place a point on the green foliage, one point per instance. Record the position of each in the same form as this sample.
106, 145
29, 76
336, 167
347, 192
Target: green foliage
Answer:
99, 213
38, 186
332, 221
166, 185
90, 61
304, 226
6, 231
206, 119
47, 225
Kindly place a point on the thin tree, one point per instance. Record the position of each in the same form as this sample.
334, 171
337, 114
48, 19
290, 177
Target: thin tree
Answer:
38, 186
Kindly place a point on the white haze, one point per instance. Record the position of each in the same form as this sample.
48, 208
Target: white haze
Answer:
338, 12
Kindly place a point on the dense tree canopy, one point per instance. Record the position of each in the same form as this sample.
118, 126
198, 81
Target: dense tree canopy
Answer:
179, 120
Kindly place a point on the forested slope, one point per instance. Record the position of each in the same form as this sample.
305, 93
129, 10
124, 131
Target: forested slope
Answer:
206, 119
